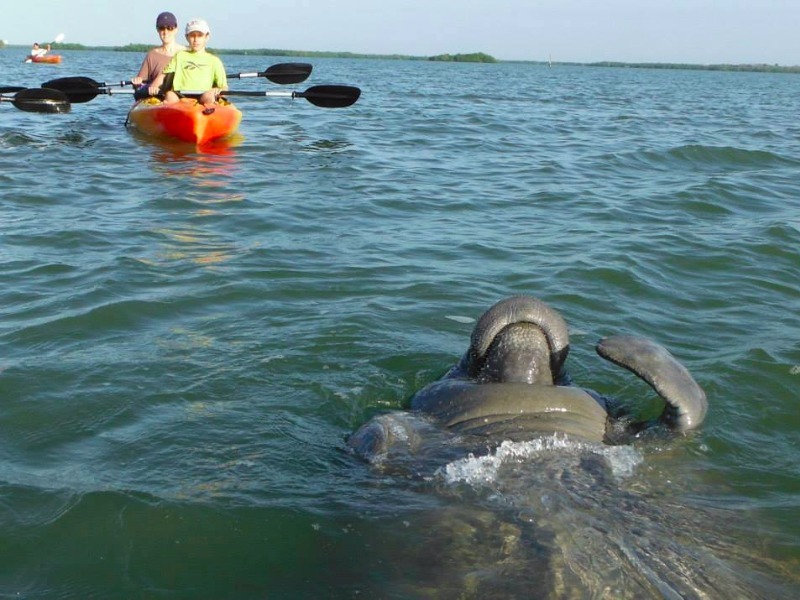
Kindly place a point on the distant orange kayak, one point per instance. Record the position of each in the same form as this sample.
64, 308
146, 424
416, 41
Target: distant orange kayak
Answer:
47, 58
185, 120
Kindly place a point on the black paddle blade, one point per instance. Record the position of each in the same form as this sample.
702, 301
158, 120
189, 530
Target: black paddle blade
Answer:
77, 89
80, 82
330, 96
281, 73
285, 73
42, 101
11, 89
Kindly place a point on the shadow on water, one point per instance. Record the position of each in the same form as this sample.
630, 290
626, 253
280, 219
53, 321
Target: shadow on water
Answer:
202, 180
211, 165
167, 150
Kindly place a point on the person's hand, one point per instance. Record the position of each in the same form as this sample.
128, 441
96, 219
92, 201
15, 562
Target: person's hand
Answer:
154, 90
137, 80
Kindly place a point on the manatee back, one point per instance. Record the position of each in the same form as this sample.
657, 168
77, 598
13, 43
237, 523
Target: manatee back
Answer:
513, 411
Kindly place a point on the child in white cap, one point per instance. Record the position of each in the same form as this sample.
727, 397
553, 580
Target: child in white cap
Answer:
194, 69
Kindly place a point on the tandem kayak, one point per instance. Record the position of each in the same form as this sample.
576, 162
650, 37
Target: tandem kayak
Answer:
185, 120
52, 59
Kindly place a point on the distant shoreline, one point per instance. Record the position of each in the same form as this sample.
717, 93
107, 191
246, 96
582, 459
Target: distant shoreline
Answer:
753, 68
142, 48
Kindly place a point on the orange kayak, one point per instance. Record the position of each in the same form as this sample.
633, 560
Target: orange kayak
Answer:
47, 58
185, 120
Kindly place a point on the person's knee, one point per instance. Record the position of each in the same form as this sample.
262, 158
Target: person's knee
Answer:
208, 98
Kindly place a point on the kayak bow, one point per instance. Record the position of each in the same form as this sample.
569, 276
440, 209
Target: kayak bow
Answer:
186, 120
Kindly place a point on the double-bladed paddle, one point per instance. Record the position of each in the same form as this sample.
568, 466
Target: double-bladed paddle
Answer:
83, 89
78, 89
39, 100
281, 73
326, 96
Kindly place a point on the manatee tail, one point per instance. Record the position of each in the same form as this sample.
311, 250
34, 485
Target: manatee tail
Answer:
686, 401
520, 309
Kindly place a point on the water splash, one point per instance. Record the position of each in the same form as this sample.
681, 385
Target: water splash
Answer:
483, 470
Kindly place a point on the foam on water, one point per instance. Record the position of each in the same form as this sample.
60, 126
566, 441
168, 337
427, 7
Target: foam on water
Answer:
483, 470
460, 319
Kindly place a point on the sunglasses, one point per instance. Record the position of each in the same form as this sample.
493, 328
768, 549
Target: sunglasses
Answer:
165, 28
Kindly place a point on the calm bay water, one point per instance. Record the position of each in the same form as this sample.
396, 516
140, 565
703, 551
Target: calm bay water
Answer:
187, 338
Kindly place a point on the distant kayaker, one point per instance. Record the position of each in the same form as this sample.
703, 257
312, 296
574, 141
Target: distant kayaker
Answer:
193, 69
37, 50
158, 58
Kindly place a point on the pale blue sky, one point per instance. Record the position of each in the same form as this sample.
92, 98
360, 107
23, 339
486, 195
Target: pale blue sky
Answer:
688, 31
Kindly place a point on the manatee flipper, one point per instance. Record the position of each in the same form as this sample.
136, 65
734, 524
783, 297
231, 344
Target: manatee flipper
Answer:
400, 438
686, 402
373, 440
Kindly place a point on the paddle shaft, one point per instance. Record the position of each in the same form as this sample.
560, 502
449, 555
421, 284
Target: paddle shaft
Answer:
325, 96
281, 73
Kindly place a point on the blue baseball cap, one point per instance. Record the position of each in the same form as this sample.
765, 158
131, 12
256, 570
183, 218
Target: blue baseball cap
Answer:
166, 19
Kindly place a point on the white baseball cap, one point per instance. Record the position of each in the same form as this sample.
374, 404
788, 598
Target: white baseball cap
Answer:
197, 25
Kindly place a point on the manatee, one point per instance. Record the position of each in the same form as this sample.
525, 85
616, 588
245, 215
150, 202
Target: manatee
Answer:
511, 384
535, 484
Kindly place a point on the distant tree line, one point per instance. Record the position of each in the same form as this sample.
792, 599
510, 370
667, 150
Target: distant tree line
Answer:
475, 57
314, 54
143, 48
761, 68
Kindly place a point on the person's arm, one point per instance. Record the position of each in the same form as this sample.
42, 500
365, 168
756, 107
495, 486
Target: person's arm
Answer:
155, 86
220, 77
144, 71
